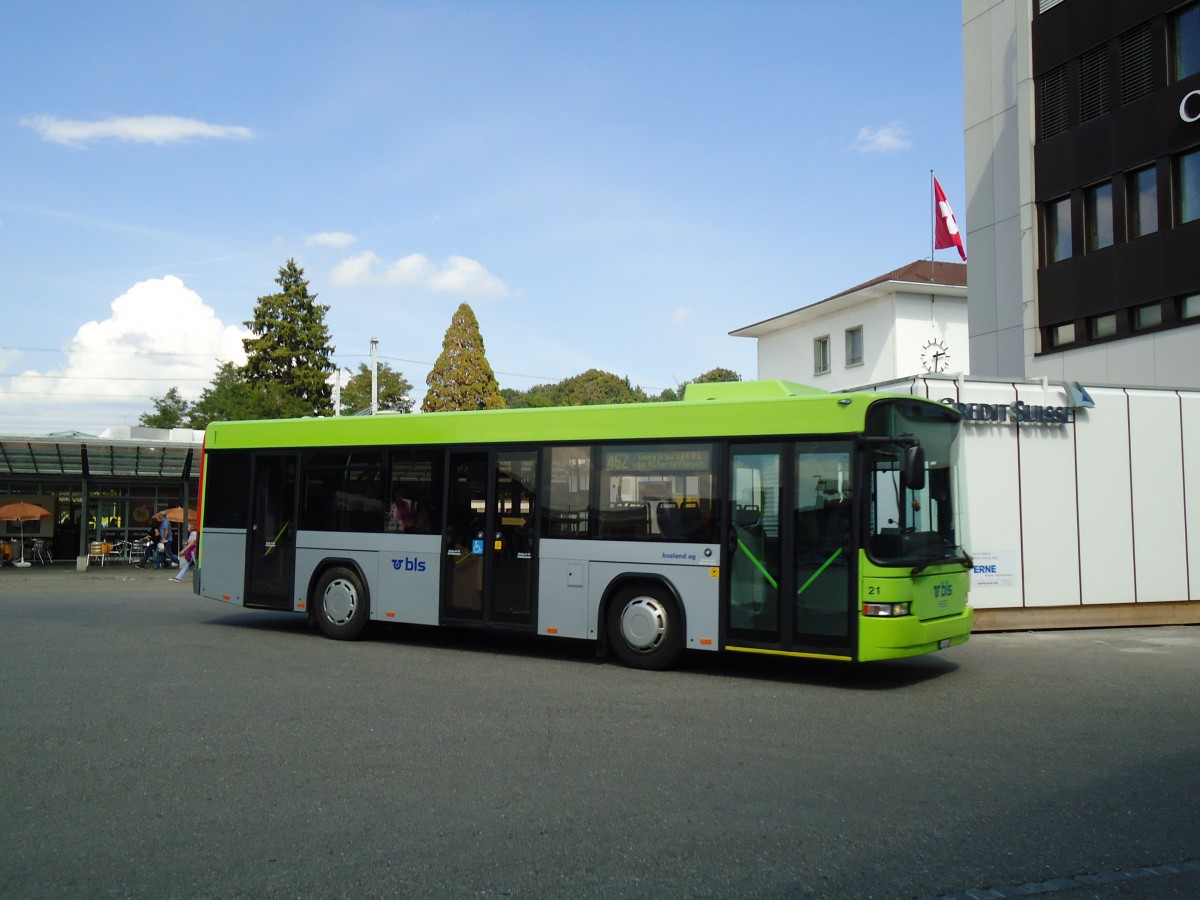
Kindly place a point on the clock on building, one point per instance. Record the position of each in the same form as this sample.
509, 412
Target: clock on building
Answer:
935, 356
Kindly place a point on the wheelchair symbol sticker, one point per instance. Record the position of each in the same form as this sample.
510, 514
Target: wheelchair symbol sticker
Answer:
477, 547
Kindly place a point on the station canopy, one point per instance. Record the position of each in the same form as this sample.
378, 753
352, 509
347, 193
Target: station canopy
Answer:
52, 457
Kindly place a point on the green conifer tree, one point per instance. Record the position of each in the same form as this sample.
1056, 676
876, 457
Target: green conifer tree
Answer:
461, 377
290, 348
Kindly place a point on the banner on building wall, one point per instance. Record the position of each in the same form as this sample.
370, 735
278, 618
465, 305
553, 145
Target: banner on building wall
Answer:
996, 568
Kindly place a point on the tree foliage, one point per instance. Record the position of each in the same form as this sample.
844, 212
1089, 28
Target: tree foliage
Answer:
393, 390
709, 377
290, 346
587, 389
461, 377
171, 410
596, 386
233, 396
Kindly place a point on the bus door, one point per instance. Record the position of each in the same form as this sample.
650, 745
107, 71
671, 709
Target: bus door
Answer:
271, 538
490, 555
789, 570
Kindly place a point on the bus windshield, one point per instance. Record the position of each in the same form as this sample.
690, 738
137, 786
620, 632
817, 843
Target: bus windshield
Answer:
910, 525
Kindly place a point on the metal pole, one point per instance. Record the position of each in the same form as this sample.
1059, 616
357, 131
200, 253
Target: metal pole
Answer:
932, 224
374, 376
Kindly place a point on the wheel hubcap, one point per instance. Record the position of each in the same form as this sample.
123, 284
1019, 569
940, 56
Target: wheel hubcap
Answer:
340, 601
644, 624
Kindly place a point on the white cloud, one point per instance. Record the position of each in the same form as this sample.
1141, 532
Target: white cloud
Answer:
160, 334
458, 275
680, 315
138, 129
331, 239
885, 139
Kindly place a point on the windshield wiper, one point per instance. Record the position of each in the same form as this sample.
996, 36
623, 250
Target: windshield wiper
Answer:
961, 555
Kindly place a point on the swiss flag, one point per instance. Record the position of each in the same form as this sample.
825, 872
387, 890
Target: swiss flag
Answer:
945, 226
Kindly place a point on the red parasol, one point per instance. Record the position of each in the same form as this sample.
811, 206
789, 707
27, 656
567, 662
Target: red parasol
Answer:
22, 512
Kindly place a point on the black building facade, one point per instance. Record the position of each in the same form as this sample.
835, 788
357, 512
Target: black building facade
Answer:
1116, 169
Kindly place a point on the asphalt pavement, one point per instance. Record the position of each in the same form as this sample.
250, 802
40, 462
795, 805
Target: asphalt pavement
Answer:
159, 744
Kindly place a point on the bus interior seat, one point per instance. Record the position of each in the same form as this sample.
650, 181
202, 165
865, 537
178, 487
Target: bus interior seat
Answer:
668, 516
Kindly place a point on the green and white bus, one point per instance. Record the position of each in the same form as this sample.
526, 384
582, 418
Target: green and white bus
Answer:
760, 517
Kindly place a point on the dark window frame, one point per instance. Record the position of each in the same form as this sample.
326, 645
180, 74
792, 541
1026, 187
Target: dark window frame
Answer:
1099, 231
1053, 233
1135, 193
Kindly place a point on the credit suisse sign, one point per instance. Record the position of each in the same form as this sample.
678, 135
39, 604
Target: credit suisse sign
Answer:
1018, 413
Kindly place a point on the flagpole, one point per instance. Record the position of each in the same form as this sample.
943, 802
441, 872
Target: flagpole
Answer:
932, 225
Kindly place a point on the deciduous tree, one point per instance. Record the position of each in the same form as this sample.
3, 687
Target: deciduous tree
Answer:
232, 396
393, 390
170, 411
712, 375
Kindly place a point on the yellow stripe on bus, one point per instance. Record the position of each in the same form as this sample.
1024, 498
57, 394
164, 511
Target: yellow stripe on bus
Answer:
789, 653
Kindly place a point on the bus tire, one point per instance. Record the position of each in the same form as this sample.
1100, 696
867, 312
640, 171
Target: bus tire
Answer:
645, 629
341, 604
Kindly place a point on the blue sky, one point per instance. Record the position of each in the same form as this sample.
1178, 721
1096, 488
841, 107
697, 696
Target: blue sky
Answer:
615, 185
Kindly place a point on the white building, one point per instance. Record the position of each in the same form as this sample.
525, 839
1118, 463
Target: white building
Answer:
913, 319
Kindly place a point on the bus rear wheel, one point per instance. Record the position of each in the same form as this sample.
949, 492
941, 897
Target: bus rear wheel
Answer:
341, 604
645, 629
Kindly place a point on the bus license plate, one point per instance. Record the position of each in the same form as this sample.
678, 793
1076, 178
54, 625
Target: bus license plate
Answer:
943, 643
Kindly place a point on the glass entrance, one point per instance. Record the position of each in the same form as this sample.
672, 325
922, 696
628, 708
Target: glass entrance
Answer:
490, 556
789, 582
271, 550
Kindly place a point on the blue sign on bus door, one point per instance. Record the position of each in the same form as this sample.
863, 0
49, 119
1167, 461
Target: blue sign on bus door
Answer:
477, 546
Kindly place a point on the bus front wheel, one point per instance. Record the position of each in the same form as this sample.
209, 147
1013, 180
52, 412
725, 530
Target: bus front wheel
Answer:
341, 601
645, 629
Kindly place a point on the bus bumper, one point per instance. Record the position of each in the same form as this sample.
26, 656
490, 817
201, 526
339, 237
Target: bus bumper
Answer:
883, 638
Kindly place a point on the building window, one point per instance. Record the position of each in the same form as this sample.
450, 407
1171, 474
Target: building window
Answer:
1097, 217
1148, 316
1104, 326
1093, 83
1058, 229
1187, 182
1142, 202
1189, 307
1062, 335
1185, 41
1137, 63
821, 355
1055, 102
854, 346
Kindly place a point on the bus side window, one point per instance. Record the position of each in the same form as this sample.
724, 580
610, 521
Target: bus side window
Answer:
416, 473
670, 485
566, 507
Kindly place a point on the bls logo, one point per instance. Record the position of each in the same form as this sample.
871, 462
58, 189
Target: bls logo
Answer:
408, 565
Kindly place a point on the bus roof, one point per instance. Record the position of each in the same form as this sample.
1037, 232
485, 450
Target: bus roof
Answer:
734, 409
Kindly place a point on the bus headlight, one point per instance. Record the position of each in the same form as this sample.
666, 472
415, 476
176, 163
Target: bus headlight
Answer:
886, 610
